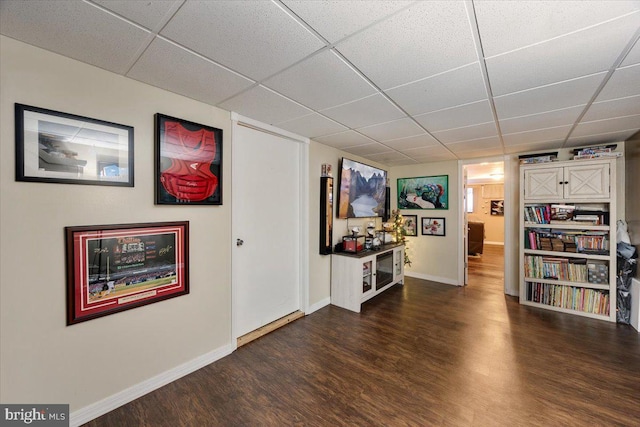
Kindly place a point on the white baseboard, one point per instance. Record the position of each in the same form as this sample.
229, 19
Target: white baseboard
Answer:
444, 280
486, 242
317, 306
123, 397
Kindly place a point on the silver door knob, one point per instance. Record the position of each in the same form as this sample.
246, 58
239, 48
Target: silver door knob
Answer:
239, 242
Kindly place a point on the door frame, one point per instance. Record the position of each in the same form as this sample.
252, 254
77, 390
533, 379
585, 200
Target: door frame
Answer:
303, 291
510, 263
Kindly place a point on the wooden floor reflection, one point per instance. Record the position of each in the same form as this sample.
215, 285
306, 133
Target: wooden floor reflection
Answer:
422, 354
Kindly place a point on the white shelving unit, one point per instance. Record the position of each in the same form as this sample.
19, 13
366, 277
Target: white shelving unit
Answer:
355, 278
568, 265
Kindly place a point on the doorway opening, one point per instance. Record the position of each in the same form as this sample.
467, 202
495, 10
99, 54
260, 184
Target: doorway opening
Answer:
484, 207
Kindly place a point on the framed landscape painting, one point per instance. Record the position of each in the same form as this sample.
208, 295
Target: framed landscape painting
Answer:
112, 268
426, 192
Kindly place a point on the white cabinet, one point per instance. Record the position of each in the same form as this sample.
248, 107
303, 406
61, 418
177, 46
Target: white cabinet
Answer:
568, 237
556, 182
355, 278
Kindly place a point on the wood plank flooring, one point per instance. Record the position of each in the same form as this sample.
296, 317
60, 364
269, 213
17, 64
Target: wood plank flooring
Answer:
422, 354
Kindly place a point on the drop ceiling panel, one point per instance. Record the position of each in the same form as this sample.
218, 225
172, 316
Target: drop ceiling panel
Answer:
540, 135
547, 98
256, 41
483, 130
565, 116
624, 82
392, 130
613, 108
344, 139
586, 52
533, 146
423, 140
602, 138
392, 156
364, 112
312, 125
77, 30
264, 105
509, 25
171, 67
426, 152
456, 117
335, 20
490, 152
608, 125
425, 39
449, 89
633, 57
368, 149
321, 81
476, 144
150, 13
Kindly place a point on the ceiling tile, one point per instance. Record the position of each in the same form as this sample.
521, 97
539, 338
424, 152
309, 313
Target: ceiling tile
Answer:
260, 103
602, 138
78, 30
321, 81
425, 39
547, 98
476, 144
633, 57
150, 13
579, 54
429, 152
368, 149
624, 82
540, 135
456, 117
335, 20
509, 25
311, 126
423, 140
344, 139
532, 146
392, 130
170, 67
565, 116
490, 152
364, 112
256, 41
456, 87
613, 108
608, 125
392, 156
483, 130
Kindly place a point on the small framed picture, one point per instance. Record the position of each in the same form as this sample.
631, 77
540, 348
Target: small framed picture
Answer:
64, 148
188, 162
433, 227
410, 225
112, 268
497, 207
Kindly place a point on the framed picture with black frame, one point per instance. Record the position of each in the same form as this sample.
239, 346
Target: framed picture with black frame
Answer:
63, 148
433, 227
188, 162
410, 225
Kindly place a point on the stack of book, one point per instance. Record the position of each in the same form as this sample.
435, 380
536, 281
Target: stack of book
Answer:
601, 151
582, 299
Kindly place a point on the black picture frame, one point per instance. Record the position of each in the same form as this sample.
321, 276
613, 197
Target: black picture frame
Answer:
63, 148
112, 268
410, 223
434, 227
497, 207
188, 162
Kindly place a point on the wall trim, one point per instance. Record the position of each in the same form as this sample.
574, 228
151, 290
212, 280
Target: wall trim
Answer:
317, 306
93, 411
438, 279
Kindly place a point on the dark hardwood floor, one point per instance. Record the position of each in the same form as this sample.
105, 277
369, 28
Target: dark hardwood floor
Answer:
422, 354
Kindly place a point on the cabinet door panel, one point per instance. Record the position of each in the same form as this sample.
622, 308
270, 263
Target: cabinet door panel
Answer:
587, 180
543, 184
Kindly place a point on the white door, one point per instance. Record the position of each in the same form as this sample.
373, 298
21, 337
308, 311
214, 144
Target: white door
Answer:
587, 181
266, 227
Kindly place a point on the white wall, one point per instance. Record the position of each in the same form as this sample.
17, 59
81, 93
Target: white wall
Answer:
432, 257
41, 359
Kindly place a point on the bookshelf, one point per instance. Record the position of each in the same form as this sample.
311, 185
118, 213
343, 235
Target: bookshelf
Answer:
568, 236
